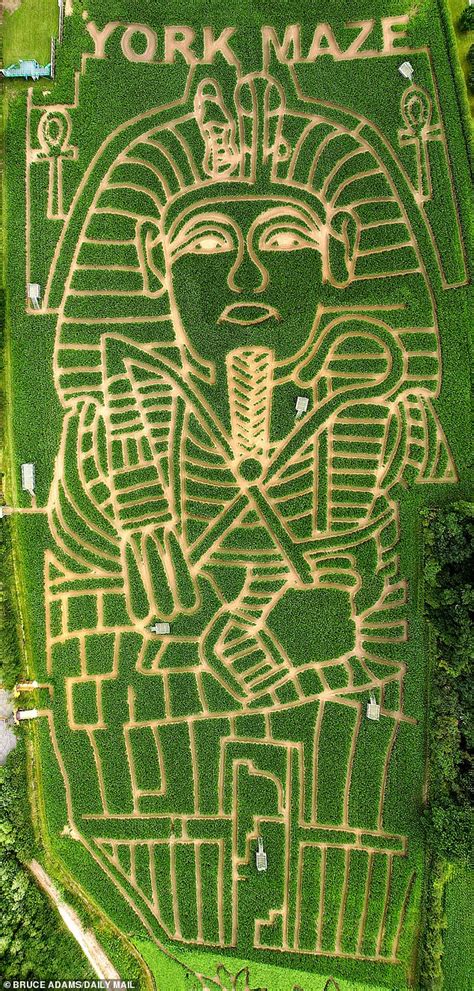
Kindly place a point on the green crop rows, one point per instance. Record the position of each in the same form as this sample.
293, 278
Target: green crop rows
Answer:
212, 244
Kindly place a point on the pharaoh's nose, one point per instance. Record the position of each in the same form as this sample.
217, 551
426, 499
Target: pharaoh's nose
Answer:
249, 274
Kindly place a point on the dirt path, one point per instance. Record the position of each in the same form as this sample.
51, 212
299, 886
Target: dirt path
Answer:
91, 948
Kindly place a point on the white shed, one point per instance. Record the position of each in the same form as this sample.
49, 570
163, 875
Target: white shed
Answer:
302, 403
160, 628
28, 477
23, 714
373, 708
34, 294
406, 70
260, 856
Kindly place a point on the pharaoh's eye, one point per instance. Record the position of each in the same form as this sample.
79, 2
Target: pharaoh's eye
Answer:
204, 240
287, 238
209, 244
282, 240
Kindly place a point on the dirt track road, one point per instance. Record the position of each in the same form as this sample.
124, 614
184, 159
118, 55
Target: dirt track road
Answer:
86, 939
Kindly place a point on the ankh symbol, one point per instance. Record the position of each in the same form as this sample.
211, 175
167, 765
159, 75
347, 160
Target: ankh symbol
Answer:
54, 131
417, 112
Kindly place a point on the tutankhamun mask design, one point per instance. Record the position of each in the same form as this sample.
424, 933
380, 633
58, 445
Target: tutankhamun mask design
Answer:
242, 247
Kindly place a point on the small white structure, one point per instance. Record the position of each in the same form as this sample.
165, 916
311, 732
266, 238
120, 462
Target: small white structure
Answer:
406, 70
160, 628
61, 21
23, 714
34, 295
7, 734
373, 708
3, 512
302, 403
260, 856
28, 477
26, 686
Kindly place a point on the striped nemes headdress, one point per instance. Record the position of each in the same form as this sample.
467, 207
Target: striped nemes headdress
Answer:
237, 143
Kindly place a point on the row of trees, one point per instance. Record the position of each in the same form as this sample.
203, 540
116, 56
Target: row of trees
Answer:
466, 20
32, 941
466, 24
449, 601
449, 606
470, 59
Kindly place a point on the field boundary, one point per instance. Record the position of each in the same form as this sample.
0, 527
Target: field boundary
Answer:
86, 939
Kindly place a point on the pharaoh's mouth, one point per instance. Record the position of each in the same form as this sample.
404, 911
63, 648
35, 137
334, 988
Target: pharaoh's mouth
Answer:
247, 314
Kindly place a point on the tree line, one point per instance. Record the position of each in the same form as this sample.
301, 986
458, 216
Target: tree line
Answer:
449, 608
466, 24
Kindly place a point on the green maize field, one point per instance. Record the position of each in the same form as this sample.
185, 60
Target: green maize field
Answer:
223, 216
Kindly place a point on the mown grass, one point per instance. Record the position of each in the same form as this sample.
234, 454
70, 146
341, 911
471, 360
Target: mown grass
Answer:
464, 40
28, 31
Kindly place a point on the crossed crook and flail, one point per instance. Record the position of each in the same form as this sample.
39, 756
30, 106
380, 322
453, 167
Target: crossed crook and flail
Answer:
252, 493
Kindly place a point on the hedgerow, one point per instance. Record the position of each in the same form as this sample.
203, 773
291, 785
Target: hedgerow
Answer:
448, 604
25, 909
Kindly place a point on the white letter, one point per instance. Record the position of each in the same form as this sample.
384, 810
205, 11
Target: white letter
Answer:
100, 37
179, 39
281, 49
213, 45
390, 35
126, 43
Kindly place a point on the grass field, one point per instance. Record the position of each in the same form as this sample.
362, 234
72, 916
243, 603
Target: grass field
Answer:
210, 244
464, 40
27, 32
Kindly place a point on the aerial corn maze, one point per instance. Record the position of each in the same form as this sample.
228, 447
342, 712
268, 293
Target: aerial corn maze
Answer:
240, 380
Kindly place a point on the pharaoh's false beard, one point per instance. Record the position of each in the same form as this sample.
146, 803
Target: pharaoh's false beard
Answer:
250, 386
